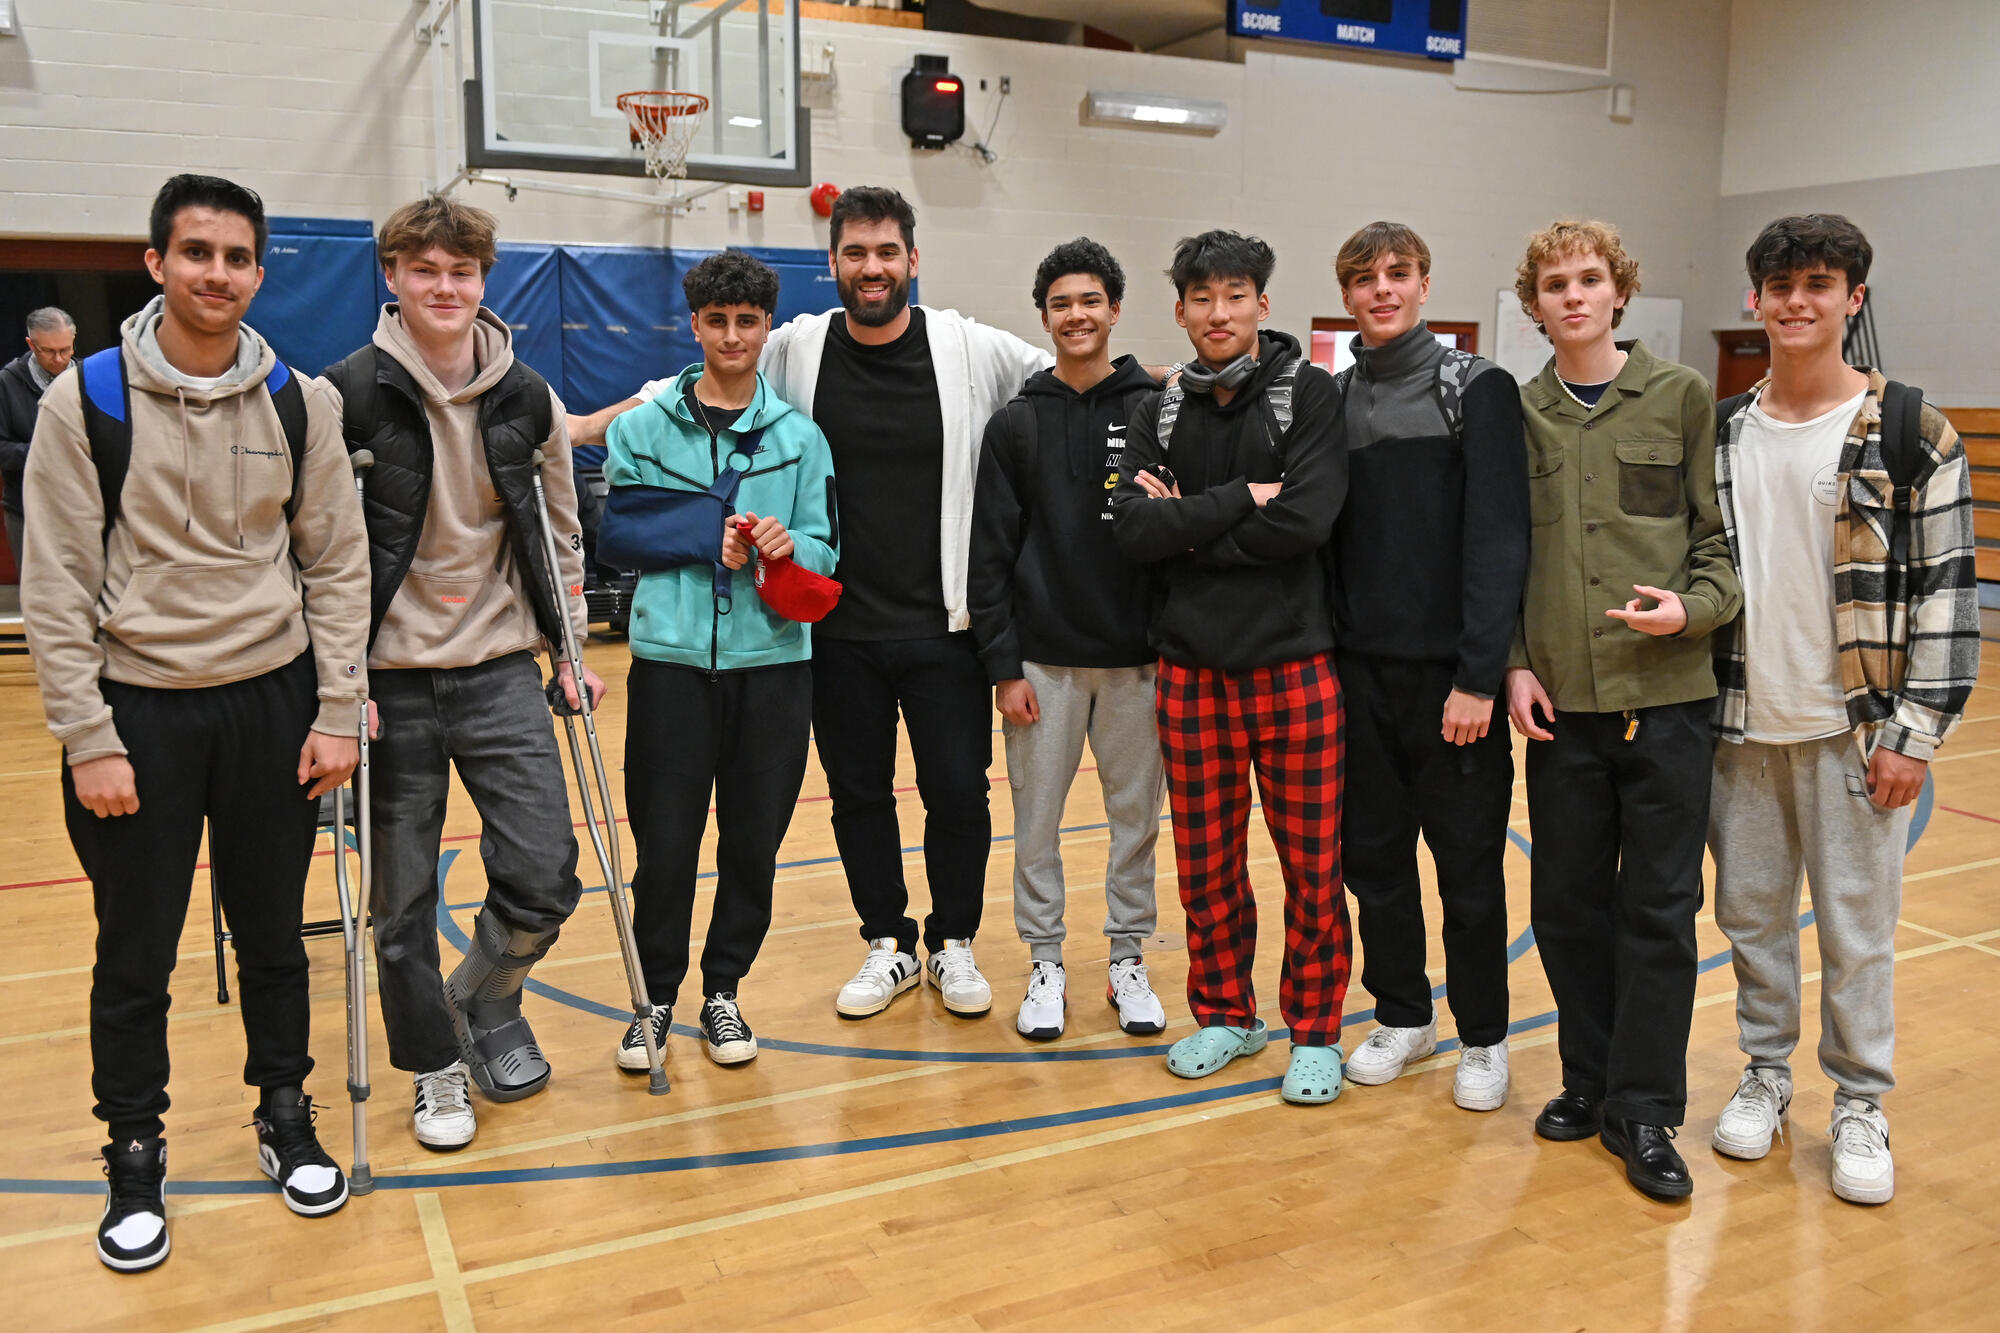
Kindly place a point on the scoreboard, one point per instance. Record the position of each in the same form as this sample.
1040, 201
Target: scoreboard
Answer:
1431, 28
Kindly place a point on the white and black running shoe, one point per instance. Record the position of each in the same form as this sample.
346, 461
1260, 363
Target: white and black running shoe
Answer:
290, 1154
730, 1041
132, 1234
632, 1050
441, 1109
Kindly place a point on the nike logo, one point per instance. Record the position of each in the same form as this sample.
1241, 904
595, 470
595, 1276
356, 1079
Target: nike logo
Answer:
1115, 430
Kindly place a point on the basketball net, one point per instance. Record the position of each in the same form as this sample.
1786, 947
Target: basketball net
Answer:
663, 124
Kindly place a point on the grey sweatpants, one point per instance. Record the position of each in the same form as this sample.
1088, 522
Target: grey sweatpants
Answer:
1113, 706
1777, 811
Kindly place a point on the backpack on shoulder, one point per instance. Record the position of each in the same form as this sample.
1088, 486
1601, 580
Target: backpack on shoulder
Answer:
107, 421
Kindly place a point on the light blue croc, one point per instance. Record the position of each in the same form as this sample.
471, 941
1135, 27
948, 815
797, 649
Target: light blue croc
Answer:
1314, 1076
1210, 1048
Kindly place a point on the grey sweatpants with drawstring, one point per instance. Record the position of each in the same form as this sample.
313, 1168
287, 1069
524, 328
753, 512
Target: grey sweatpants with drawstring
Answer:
1777, 812
1113, 707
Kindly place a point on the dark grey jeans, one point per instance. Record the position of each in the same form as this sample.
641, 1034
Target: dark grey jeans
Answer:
492, 723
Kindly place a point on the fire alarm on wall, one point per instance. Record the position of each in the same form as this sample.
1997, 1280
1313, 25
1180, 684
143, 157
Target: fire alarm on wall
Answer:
822, 196
756, 201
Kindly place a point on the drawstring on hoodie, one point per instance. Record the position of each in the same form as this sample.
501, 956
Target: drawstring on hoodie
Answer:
187, 470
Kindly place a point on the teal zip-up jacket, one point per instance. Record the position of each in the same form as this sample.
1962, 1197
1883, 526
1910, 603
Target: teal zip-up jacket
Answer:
676, 616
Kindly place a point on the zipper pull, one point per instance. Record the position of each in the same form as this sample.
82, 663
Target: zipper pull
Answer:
1631, 723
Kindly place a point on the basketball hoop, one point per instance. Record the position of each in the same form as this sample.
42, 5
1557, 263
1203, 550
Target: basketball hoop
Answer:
664, 124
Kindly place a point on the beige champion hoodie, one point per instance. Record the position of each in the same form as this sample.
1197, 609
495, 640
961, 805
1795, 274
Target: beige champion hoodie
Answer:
462, 601
201, 582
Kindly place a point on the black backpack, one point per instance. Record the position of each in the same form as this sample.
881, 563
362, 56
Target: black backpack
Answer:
107, 420
1902, 454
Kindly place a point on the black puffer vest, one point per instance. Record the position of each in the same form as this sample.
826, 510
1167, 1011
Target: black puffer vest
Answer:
383, 412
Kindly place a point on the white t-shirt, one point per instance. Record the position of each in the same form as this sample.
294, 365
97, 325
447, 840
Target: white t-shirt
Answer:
1786, 477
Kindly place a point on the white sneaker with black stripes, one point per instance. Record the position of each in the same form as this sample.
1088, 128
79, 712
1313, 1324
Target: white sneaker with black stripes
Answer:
441, 1111
959, 982
886, 973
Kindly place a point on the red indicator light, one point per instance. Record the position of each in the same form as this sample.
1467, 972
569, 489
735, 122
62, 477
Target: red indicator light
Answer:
947, 85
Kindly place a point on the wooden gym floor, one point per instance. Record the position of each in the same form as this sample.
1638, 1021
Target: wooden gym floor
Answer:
922, 1170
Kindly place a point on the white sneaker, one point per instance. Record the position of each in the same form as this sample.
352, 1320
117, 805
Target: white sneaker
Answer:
957, 979
1382, 1057
886, 973
1863, 1171
632, 1047
442, 1116
1754, 1115
1131, 990
1481, 1082
1041, 1016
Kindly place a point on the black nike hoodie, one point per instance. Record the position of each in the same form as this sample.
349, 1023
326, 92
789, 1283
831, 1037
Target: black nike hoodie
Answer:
1243, 586
1045, 580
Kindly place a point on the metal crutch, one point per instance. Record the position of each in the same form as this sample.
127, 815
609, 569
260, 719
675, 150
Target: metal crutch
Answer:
353, 931
604, 835
354, 919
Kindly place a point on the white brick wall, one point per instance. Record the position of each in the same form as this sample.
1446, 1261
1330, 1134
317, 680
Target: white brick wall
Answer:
325, 109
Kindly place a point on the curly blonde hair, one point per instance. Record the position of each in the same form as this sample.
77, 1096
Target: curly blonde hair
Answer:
1570, 237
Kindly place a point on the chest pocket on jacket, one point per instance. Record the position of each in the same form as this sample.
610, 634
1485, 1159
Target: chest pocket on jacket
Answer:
1649, 478
1871, 515
1545, 485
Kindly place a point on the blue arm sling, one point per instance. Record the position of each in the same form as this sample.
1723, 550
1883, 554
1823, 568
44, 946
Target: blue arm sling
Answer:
647, 529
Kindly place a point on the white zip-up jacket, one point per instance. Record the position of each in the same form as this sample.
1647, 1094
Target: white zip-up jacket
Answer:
978, 369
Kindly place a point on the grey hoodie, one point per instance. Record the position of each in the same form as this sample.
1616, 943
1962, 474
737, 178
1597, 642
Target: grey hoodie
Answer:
202, 581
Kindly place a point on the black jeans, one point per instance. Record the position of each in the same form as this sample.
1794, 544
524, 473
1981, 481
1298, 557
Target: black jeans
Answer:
492, 723
742, 735
227, 754
1405, 778
942, 690
1619, 828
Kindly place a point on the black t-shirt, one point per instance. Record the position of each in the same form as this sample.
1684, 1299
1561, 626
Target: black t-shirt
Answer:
1588, 394
878, 407
717, 419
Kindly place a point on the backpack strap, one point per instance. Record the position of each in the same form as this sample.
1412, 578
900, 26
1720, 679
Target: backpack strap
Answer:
290, 400
1455, 373
107, 423
1171, 399
1277, 405
1902, 457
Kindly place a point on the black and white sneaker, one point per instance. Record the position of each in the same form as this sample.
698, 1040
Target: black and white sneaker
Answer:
290, 1154
632, 1050
730, 1041
132, 1234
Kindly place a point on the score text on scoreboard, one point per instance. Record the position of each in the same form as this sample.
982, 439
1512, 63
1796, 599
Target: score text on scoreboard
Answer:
1430, 28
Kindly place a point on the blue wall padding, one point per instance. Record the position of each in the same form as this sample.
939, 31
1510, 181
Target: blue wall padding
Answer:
620, 312
597, 321
525, 289
317, 303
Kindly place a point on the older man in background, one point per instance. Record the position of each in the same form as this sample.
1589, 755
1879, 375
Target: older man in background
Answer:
51, 344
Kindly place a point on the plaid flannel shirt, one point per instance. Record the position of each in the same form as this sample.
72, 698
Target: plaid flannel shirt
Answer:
1909, 635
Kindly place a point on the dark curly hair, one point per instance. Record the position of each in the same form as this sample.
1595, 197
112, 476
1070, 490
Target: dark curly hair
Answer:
1806, 241
1221, 254
731, 278
1081, 255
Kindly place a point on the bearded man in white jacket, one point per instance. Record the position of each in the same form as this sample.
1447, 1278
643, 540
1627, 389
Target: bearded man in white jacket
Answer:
903, 394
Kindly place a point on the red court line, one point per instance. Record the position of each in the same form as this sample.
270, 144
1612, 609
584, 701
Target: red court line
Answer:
1969, 814
468, 837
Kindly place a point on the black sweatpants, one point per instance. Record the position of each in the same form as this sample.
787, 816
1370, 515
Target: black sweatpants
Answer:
942, 691
742, 735
1619, 828
1405, 778
227, 754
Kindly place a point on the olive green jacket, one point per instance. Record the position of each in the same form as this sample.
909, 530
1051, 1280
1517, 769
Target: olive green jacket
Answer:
1622, 494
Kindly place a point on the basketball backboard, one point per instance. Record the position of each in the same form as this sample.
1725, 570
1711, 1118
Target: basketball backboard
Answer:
547, 74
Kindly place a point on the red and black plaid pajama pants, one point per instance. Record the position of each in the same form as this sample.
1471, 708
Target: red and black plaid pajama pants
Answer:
1284, 721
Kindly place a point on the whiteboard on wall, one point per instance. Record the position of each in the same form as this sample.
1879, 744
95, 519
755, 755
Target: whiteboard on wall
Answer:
1520, 347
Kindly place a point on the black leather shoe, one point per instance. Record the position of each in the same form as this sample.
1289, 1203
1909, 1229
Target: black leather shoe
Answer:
1568, 1118
1651, 1163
